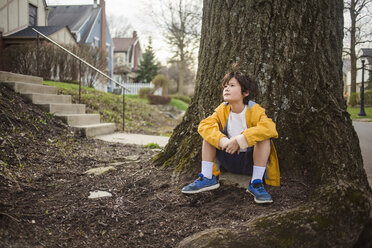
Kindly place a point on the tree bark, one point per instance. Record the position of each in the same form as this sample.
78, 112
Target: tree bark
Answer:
295, 50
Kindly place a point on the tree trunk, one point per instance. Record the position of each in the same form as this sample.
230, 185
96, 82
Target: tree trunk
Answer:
181, 76
353, 57
294, 48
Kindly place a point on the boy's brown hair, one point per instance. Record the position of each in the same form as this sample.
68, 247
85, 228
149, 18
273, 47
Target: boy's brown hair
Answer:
247, 83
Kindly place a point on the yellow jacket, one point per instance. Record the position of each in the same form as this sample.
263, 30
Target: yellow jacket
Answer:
260, 128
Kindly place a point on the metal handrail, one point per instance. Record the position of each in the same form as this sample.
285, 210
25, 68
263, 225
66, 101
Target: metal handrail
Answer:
82, 60
91, 66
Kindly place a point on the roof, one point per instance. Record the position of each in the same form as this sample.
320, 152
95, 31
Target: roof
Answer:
367, 52
28, 32
74, 16
123, 44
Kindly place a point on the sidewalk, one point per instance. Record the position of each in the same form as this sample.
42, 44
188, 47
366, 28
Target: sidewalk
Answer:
136, 139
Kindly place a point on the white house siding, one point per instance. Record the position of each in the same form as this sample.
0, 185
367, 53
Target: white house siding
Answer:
23, 13
4, 18
64, 37
359, 77
14, 14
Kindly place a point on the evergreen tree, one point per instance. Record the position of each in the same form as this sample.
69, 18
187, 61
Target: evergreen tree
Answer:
148, 67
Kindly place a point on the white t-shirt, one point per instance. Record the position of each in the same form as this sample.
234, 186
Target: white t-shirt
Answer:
236, 124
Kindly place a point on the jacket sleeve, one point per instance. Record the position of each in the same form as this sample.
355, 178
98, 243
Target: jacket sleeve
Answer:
262, 127
209, 129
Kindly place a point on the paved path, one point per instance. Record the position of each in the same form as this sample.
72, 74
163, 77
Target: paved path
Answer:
364, 131
136, 139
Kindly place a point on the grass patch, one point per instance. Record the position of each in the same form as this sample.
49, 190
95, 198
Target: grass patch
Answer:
355, 111
152, 145
181, 105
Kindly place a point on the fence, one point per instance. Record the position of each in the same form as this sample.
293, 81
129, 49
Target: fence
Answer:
135, 88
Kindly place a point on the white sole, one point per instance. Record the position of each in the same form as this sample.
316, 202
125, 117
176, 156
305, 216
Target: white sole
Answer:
258, 201
214, 186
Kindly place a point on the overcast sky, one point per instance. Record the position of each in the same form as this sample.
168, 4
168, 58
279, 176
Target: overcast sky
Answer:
134, 11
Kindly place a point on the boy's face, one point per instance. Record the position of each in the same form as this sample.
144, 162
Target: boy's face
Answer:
232, 92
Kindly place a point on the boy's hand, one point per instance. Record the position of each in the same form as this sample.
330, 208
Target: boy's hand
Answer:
231, 146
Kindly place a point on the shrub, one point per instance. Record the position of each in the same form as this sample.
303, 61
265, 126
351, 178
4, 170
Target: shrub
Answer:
161, 81
368, 97
53, 62
143, 92
185, 99
155, 99
354, 99
152, 146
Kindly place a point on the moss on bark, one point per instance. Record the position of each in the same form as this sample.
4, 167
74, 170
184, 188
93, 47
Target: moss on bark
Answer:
320, 223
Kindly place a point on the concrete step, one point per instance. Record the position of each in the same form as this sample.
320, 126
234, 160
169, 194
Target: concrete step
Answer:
26, 88
36, 98
79, 119
59, 108
14, 77
94, 130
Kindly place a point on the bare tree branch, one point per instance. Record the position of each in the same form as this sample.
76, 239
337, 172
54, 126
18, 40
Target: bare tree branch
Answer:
119, 26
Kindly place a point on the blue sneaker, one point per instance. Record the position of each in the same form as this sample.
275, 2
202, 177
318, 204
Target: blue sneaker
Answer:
258, 191
201, 184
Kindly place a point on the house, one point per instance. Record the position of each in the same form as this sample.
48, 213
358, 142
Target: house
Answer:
89, 26
127, 55
367, 53
18, 17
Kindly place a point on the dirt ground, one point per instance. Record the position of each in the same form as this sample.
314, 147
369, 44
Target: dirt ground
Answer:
44, 190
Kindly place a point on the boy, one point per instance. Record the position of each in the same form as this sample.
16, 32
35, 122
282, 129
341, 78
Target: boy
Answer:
237, 136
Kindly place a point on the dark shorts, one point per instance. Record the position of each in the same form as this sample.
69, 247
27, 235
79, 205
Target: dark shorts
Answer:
241, 163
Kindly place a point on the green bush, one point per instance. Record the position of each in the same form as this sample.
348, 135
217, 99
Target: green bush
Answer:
368, 97
143, 92
185, 99
354, 99
160, 81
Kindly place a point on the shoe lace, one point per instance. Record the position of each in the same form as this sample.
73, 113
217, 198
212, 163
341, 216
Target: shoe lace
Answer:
200, 178
259, 187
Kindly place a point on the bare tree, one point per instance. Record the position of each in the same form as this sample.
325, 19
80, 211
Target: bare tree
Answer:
181, 22
357, 32
189, 75
119, 26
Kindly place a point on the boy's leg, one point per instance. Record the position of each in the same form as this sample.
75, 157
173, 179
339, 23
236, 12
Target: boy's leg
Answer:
261, 155
208, 157
206, 180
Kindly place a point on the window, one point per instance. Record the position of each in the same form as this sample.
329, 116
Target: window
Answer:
32, 14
